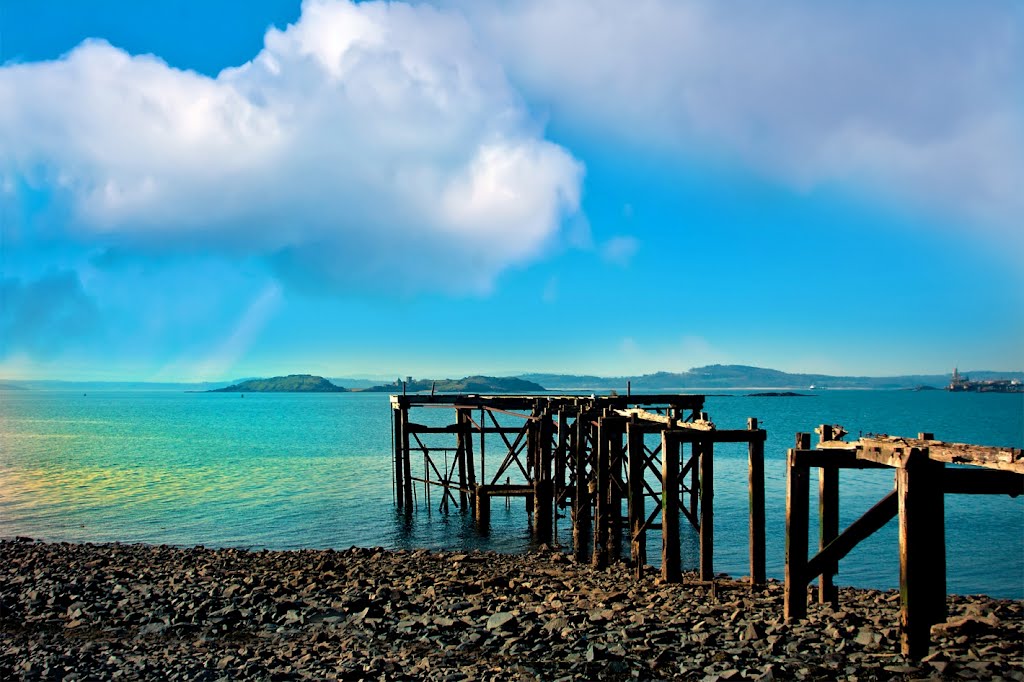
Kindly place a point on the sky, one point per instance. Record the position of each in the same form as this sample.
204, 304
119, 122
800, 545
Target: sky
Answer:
205, 190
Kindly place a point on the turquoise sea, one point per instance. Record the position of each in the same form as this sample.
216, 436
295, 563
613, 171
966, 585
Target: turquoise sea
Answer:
313, 471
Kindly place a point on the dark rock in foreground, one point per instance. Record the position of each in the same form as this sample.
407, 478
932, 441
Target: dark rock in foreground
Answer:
139, 612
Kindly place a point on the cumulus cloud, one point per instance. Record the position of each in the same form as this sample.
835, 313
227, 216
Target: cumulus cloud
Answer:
366, 139
915, 103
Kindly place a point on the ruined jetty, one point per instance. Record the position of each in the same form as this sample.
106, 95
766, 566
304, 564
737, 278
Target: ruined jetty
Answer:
624, 466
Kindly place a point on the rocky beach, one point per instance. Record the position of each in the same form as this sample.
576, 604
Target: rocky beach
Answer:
131, 612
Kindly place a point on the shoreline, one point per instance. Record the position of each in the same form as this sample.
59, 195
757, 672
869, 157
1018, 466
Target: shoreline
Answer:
86, 611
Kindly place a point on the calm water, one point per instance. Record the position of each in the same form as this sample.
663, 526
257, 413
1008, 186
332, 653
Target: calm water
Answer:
292, 470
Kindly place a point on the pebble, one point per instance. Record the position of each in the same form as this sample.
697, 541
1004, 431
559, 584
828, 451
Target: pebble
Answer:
139, 612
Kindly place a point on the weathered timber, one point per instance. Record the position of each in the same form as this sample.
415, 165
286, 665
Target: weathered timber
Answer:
543, 514
643, 415
482, 507
398, 457
581, 498
888, 450
602, 507
922, 480
828, 523
797, 493
670, 559
920, 583
982, 482
583, 464
636, 454
870, 522
707, 510
755, 494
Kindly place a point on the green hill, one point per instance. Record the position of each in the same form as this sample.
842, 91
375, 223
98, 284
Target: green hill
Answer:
293, 383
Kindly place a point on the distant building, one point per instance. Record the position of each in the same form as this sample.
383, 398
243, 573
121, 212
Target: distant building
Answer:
962, 383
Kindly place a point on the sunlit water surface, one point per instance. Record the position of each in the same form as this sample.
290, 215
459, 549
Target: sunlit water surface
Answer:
313, 471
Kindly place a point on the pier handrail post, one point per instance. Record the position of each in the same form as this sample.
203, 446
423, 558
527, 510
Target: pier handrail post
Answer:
581, 494
922, 550
635, 504
755, 477
828, 522
601, 511
396, 421
797, 493
707, 510
670, 560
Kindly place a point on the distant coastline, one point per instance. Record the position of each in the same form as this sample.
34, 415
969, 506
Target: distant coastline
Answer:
706, 379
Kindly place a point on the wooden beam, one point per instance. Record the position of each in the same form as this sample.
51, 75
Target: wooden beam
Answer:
717, 436
665, 420
870, 522
892, 451
982, 482
841, 459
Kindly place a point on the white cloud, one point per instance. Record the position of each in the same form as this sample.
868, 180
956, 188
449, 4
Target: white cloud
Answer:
915, 103
366, 139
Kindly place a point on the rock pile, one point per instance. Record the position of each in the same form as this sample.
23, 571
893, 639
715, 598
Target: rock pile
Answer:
134, 612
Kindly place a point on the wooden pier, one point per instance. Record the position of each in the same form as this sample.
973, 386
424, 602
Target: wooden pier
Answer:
925, 471
587, 455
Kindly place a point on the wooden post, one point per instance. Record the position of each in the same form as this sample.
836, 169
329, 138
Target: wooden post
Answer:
828, 530
922, 584
399, 453
797, 493
581, 495
467, 440
670, 569
707, 510
483, 451
601, 510
482, 499
694, 479
542, 497
460, 454
616, 453
755, 482
406, 457
828, 522
635, 504
937, 535
561, 450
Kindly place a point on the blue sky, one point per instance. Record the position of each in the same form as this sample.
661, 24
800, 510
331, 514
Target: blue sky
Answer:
207, 190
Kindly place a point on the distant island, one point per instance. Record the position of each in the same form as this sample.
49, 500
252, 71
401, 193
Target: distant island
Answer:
293, 383
473, 384
778, 394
